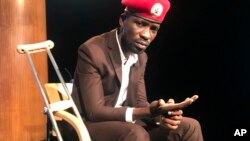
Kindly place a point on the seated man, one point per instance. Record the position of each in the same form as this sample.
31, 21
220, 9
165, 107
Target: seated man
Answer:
109, 87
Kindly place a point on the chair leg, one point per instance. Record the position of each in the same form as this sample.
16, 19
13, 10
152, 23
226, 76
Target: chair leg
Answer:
49, 130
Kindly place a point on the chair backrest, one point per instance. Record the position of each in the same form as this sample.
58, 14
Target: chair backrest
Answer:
55, 93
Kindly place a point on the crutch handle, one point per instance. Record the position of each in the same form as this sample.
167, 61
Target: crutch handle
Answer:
36, 47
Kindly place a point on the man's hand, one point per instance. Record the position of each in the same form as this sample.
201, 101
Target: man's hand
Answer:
173, 119
171, 106
161, 108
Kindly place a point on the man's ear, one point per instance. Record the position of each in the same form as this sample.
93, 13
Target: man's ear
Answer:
121, 22
123, 16
122, 19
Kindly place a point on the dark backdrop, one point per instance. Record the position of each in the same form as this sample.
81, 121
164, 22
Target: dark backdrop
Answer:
202, 47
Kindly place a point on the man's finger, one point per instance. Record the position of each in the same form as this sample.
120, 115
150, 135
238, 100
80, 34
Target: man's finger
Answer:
171, 100
177, 106
175, 113
170, 124
194, 97
161, 102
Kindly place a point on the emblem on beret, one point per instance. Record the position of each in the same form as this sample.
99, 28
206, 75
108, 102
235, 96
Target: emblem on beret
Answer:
156, 9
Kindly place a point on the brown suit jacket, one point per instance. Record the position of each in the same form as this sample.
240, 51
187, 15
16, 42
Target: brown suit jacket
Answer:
97, 80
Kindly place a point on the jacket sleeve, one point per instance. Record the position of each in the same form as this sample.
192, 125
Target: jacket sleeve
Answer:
141, 90
90, 89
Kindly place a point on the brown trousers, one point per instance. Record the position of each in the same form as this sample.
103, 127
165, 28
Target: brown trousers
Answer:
188, 130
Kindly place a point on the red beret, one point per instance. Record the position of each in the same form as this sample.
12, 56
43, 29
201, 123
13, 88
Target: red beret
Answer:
153, 10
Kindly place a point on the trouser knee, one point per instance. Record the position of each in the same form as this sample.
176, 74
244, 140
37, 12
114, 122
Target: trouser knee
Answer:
137, 133
190, 123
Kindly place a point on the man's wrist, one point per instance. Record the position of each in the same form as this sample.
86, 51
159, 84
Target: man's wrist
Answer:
139, 113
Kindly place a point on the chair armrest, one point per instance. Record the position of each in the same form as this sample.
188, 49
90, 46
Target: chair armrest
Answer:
80, 128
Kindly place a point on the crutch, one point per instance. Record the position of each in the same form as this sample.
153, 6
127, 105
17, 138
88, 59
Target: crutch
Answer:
46, 46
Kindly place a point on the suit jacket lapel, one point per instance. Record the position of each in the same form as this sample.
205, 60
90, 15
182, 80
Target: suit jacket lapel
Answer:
114, 55
134, 77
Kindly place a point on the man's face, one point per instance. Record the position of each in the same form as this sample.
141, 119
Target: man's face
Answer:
138, 33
